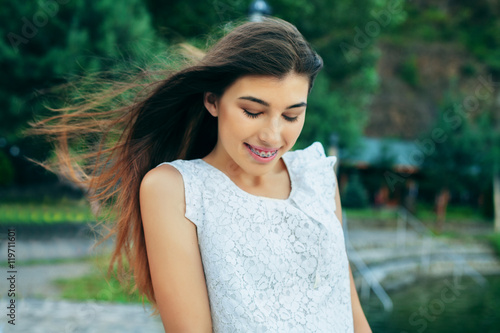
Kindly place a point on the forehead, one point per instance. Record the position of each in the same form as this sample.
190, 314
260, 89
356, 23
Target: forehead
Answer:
291, 87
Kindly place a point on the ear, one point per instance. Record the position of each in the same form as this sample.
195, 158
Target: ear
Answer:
210, 101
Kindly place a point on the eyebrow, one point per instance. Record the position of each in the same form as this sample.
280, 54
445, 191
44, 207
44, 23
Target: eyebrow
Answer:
257, 100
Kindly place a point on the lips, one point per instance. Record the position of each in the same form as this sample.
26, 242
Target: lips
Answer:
267, 154
262, 149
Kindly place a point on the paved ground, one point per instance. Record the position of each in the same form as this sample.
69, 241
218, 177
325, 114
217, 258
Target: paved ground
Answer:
35, 281
39, 308
50, 316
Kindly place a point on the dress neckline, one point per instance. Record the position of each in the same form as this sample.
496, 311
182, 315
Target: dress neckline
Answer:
233, 184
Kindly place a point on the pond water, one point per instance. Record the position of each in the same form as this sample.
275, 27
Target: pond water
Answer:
441, 305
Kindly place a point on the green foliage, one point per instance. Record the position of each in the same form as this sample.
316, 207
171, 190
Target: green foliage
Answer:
177, 20
424, 212
408, 71
387, 158
96, 286
47, 44
45, 213
468, 70
495, 242
370, 214
6, 170
329, 112
454, 213
466, 154
354, 195
472, 23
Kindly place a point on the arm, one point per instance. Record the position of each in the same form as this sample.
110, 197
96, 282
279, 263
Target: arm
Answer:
173, 253
360, 323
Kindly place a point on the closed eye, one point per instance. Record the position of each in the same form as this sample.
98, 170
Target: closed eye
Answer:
291, 119
255, 115
250, 114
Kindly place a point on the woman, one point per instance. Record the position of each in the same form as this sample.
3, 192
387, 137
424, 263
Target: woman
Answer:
225, 228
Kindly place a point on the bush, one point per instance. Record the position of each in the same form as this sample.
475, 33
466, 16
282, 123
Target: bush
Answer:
495, 242
408, 71
354, 195
6, 170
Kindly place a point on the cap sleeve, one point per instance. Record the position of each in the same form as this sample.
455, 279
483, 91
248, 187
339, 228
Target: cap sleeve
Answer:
319, 151
192, 191
320, 170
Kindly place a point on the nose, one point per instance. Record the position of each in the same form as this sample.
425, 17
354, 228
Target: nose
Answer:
271, 132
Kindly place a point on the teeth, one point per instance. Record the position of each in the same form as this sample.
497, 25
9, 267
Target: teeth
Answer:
263, 154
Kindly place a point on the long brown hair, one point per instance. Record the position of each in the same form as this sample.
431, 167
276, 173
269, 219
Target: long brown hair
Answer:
107, 143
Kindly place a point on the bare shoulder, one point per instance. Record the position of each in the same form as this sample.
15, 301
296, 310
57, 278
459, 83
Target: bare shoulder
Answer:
162, 178
162, 194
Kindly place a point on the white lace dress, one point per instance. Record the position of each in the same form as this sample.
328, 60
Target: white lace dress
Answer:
272, 265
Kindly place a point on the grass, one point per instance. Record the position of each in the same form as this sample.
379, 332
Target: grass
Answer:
495, 242
424, 213
49, 212
96, 286
370, 213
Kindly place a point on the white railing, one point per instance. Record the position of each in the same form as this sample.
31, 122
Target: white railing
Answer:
406, 224
370, 281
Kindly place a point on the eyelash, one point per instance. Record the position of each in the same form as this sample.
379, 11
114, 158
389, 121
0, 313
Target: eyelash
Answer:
255, 115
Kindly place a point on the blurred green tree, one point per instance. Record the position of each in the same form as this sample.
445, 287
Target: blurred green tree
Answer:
49, 41
460, 153
472, 23
6, 170
354, 195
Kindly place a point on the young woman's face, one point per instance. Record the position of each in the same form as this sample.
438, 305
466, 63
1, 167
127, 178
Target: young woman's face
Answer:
259, 115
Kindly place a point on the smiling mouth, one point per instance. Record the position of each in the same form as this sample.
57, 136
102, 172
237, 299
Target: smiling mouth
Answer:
260, 153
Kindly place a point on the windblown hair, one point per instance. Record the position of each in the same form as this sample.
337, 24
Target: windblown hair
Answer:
106, 141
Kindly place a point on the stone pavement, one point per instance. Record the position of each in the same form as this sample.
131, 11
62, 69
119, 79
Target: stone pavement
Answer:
56, 247
39, 308
56, 316
35, 281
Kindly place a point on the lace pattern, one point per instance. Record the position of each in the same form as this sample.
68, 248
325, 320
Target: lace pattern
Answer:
272, 265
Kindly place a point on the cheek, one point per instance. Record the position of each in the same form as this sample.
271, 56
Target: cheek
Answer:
293, 133
233, 124
296, 128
